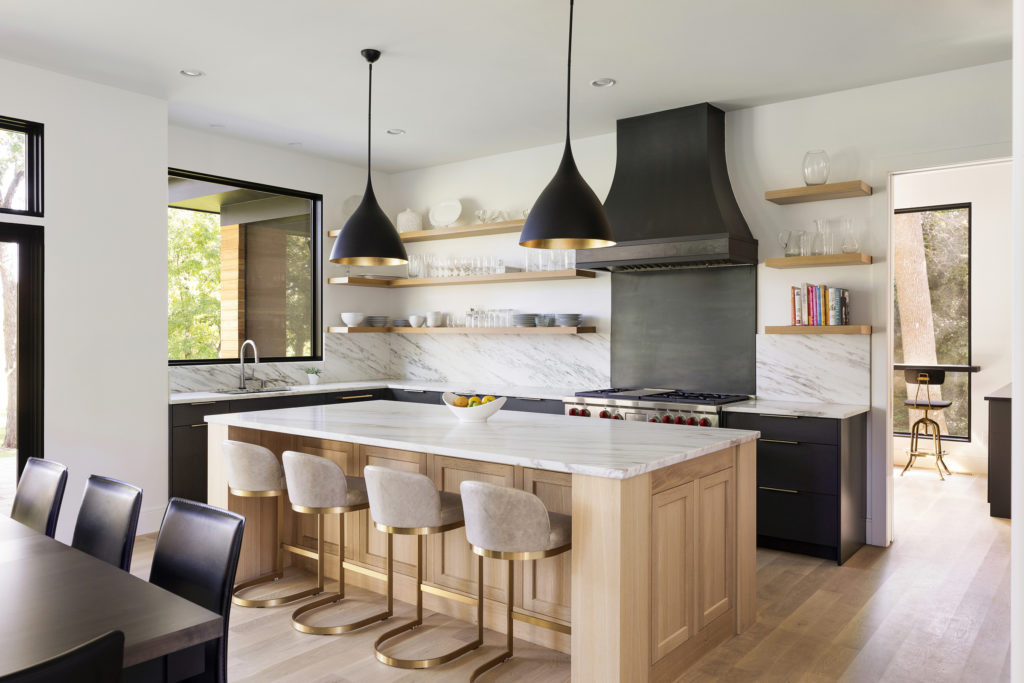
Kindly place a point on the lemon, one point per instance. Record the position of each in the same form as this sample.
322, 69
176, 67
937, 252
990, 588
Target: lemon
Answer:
474, 401
487, 399
460, 402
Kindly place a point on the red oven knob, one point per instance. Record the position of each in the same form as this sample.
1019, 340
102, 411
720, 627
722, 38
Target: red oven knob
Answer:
574, 411
652, 419
692, 421
667, 419
680, 420
604, 413
584, 412
617, 417
704, 422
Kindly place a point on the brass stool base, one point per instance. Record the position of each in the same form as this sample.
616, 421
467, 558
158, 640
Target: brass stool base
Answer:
930, 428
332, 599
267, 602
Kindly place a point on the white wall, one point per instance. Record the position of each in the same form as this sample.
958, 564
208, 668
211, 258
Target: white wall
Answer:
987, 187
105, 293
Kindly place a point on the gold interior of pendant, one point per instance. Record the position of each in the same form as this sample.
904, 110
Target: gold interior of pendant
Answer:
567, 243
370, 261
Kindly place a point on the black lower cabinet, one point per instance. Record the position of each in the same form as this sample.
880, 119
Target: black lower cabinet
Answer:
811, 483
414, 396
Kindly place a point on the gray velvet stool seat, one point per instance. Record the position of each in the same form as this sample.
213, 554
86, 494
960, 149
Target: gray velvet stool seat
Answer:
408, 503
254, 472
317, 486
508, 524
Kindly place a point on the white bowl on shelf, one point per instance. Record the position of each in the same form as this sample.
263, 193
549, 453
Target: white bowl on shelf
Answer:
478, 413
352, 319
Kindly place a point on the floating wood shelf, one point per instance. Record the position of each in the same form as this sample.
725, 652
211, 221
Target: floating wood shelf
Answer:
815, 261
478, 230
537, 276
818, 193
817, 329
462, 330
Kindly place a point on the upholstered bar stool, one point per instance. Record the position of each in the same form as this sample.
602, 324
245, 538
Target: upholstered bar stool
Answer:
408, 503
254, 472
317, 486
508, 524
926, 425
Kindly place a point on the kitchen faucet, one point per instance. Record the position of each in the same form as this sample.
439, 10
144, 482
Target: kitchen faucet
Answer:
241, 362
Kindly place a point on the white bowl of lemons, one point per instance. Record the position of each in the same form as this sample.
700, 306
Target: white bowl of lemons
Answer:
472, 408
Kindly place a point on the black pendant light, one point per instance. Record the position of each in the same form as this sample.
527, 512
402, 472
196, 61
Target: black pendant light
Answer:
567, 215
369, 237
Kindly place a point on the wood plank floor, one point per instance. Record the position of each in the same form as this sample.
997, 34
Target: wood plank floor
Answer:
933, 607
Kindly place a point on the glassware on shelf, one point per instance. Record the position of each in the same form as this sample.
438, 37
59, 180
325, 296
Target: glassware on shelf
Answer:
816, 167
818, 241
848, 238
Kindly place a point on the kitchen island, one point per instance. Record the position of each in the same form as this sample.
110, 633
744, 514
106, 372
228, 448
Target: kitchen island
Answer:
662, 567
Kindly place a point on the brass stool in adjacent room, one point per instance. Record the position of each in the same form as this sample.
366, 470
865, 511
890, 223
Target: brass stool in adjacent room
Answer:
926, 425
318, 486
508, 524
254, 472
408, 503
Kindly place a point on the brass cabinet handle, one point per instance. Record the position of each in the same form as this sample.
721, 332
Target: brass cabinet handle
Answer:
415, 391
201, 424
349, 398
203, 403
527, 398
771, 488
791, 443
787, 417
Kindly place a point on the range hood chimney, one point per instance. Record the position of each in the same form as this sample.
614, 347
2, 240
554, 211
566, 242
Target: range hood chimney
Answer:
671, 205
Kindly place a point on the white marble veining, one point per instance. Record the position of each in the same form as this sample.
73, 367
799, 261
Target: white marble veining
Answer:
811, 368
603, 448
836, 411
493, 360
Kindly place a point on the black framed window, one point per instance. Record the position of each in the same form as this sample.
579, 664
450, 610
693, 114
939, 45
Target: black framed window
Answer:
21, 167
932, 302
243, 263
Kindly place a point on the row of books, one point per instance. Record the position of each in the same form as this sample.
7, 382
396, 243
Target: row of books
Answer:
819, 305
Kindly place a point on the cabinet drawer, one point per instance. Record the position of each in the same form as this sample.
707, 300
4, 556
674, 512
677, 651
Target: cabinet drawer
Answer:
799, 466
416, 396
183, 414
805, 517
535, 405
809, 429
348, 397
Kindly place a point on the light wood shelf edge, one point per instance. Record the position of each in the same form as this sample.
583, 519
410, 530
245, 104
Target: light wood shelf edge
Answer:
532, 276
461, 330
822, 260
456, 232
818, 193
817, 329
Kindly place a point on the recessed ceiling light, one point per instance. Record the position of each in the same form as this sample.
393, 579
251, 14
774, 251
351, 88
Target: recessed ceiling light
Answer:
396, 131
216, 125
192, 73
295, 144
603, 82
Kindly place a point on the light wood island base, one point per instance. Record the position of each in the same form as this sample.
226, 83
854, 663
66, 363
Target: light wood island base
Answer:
661, 571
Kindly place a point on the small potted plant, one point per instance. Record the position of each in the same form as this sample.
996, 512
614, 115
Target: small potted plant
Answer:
313, 374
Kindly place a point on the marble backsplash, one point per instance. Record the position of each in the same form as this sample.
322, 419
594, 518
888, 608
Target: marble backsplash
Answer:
827, 368
537, 360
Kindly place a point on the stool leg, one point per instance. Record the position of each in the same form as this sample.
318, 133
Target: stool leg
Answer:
507, 654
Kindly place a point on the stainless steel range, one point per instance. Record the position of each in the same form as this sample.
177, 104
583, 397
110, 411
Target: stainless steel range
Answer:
668, 406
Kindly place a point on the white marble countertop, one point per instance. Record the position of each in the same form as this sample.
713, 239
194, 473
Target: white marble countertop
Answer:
835, 411
615, 449
554, 393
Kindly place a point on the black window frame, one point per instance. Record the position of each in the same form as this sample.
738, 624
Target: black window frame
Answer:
33, 165
316, 315
970, 310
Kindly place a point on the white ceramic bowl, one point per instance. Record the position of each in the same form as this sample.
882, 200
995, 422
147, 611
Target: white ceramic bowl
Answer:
417, 320
352, 319
478, 413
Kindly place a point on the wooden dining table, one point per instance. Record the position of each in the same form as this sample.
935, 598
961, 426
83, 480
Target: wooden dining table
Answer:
54, 598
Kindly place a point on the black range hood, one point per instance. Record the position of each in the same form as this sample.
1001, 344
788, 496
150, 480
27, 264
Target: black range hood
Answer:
671, 204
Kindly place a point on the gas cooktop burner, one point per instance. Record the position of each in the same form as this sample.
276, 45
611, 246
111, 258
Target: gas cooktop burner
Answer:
669, 395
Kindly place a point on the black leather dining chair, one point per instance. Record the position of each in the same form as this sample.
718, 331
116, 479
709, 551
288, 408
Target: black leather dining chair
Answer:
96, 661
107, 520
196, 557
39, 494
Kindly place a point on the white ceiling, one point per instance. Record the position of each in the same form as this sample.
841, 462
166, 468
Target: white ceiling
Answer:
467, 78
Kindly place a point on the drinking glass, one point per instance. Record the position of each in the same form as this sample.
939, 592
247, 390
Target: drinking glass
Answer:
818, 242
848, 238
816, 167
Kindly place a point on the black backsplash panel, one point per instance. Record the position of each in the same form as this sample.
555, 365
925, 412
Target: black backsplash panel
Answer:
685, 329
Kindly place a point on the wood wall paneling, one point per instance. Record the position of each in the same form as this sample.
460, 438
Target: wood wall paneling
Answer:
232, 290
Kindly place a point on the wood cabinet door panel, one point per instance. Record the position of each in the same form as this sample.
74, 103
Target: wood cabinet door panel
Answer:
547, 588
452, 563
673, 569
716, 506
373, 543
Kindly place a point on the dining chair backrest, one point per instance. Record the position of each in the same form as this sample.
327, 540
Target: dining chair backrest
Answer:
40, 492
196, 557
99, 660
107, 520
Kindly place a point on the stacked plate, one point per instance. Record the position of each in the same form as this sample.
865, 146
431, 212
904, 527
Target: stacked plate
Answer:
546, 320
400, 323
377, 320
524, 320
568, 319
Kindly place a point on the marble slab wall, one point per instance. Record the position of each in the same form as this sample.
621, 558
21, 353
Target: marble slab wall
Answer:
827, 368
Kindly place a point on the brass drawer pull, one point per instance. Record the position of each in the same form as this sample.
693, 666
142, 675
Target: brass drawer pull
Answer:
787, 417
201, 424
791, 443
527, 398
203, 403
771, 488
415, 391
349, 398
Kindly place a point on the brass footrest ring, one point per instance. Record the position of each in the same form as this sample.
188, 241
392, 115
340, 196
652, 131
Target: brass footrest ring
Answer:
266, 602
418, 663
490, 664
331, 599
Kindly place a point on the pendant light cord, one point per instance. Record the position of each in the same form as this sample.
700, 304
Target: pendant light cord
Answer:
568, 78
369, 120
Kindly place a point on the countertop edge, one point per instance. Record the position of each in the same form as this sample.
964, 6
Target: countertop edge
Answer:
833, 411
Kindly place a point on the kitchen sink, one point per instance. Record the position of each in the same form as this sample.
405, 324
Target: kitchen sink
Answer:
252, 390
